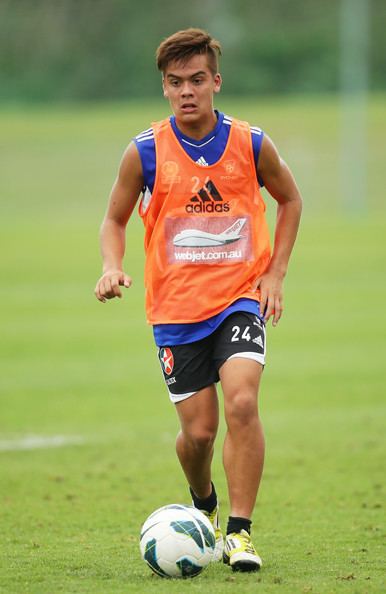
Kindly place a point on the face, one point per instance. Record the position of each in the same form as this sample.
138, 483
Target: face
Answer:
189, 87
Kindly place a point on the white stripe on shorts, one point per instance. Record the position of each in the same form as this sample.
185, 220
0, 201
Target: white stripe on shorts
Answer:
249, 355
180, 397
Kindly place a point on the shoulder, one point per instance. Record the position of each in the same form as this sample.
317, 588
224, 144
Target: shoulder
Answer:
257, 136
255, 131
130, 165
270, 160
145, 144
144, 137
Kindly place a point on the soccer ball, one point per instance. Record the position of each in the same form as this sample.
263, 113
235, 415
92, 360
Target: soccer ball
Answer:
177, 541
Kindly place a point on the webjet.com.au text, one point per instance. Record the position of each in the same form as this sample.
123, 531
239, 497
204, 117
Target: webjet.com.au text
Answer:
197, 256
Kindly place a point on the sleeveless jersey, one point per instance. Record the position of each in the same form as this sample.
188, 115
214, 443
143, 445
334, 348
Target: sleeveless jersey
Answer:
206, 238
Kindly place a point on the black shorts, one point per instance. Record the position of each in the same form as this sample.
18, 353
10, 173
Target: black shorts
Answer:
188, 368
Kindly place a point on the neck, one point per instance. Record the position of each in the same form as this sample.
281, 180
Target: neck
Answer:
198, 129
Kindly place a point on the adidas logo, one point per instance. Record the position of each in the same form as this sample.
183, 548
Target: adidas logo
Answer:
208, 199
201, 161
258, 341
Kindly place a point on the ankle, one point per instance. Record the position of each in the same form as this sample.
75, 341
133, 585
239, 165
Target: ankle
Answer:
236, 524
207, 504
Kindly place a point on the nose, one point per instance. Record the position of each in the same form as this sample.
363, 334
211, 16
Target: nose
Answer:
186, 89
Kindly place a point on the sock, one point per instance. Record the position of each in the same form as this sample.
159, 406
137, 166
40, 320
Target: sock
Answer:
238, 524
208, 504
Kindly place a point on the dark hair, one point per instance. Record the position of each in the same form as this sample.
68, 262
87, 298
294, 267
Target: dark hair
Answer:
183, 45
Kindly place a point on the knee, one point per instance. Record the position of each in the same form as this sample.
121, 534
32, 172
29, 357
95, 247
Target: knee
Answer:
201, 438
241, 409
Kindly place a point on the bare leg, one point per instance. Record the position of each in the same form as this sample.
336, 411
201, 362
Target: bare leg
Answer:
195, 442
243, 453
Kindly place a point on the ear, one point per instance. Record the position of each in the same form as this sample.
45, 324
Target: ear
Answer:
217, 83
164, 88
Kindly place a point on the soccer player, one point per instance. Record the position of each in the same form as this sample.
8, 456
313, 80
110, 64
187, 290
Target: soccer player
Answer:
212, 282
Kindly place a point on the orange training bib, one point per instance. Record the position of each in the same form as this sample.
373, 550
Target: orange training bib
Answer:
206, 236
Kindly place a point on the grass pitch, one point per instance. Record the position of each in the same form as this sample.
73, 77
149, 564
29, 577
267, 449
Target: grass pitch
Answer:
86, 373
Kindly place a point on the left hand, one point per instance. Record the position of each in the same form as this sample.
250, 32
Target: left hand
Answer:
271, 290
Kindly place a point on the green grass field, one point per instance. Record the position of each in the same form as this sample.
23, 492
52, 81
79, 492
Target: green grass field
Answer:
77, 370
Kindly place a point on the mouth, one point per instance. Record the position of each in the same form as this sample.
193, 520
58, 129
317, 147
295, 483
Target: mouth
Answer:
188, 107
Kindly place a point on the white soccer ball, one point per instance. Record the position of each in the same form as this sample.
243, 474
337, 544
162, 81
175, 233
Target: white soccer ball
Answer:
177, 541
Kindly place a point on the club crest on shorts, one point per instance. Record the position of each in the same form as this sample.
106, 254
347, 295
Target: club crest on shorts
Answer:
167, 360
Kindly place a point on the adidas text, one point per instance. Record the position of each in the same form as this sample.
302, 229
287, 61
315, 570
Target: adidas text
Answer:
207, 207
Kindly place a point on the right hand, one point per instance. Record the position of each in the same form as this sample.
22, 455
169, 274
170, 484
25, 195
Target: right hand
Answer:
108, 285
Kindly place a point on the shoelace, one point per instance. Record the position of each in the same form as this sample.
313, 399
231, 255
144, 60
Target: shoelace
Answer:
249, 548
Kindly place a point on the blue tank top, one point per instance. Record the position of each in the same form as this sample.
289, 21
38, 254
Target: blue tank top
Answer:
205, 151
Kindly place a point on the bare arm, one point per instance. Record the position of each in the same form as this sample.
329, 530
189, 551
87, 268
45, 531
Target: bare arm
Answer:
281, 184
124, 195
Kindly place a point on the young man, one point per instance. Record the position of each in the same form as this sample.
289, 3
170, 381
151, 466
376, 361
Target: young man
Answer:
211, 280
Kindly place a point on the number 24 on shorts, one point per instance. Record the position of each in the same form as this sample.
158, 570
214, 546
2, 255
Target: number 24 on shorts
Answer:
236, 334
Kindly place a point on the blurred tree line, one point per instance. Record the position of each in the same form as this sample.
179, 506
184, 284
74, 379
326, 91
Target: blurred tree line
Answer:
65, 50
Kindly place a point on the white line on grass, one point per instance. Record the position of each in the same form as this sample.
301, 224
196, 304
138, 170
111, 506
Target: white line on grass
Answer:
33, 442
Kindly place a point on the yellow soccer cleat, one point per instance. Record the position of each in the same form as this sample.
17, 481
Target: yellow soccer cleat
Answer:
240, 553
213, 519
